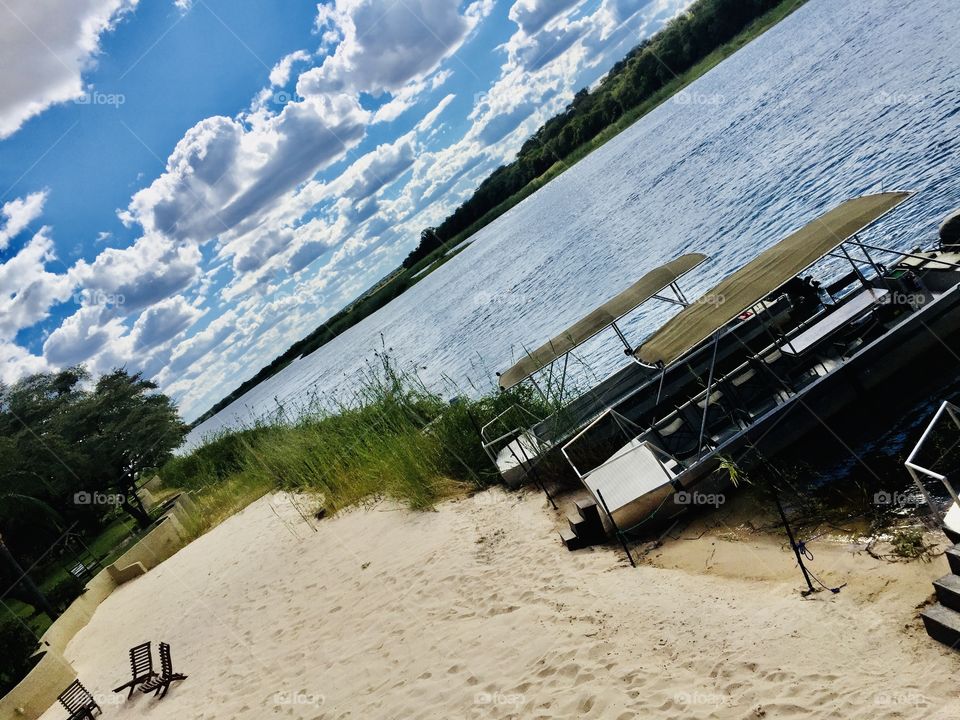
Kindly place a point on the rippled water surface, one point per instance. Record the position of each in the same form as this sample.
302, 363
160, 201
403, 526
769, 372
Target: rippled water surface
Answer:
840, 99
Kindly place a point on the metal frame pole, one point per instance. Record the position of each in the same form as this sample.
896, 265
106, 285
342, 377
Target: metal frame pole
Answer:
706, 399
846, 253
628, 350
616, 529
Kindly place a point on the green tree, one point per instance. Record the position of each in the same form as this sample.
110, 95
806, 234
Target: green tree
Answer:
124, 426
60, 437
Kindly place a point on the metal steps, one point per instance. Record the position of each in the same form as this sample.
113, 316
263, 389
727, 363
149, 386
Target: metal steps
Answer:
942, 619
953, 557
942, 624
585, 527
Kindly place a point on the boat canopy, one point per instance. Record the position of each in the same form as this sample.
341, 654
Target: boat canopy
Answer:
603, 317
765, 274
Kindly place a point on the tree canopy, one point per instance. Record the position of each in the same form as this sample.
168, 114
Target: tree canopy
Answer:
77, 447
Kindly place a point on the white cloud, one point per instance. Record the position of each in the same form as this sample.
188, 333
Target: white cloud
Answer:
80, 336
385, 44
27, 288
533, 15
163, 321
224, 172
431, 117
280, 74
17, 362
18, 214
135, 277
49, 48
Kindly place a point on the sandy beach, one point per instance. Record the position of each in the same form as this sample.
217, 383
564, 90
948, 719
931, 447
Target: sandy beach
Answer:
477, 611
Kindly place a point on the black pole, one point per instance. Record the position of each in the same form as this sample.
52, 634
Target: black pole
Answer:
793, 542
616, 529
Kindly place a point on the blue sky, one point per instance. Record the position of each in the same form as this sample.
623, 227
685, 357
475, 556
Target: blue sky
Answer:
188, 187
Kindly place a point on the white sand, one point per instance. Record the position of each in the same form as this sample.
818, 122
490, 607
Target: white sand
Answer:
476, 611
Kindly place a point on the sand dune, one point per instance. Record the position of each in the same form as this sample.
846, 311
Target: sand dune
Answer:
476, 611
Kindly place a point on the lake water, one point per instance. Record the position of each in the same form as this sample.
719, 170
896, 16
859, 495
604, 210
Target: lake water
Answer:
840, 99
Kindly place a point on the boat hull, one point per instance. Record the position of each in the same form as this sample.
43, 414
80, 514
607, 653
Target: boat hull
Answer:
845, 390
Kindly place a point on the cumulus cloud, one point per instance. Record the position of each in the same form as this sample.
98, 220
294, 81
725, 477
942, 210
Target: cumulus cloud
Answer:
18, 214
151, 269
532, 15
80, 336
17, 362
384, 44
280, 74
50, 51
430, 118
163, 321
28, 289
224, 172
193, 349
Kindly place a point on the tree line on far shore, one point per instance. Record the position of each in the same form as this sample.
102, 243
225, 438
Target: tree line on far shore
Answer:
656, 61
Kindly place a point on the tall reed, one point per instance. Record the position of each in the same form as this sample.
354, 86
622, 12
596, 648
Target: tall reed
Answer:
395, 440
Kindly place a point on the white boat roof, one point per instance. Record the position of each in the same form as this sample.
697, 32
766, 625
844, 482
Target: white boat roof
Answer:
601, 318
763, 275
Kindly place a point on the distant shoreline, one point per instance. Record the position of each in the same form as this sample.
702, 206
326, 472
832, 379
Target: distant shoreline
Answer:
402, 279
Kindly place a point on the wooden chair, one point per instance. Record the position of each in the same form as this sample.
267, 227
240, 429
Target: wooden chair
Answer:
161, 683
141, 665
78, 701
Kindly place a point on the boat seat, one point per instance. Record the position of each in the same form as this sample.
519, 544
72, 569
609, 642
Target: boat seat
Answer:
754, 392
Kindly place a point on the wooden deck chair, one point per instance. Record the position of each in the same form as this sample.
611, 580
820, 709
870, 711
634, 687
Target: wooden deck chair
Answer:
160, 684
141, 665
78, 701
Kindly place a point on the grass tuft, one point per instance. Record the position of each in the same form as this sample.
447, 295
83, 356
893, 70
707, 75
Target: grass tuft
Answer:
396, 441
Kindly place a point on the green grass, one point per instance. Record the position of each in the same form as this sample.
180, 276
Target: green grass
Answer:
398, 441
108, 544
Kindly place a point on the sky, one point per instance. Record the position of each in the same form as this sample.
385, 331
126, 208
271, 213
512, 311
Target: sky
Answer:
187, 187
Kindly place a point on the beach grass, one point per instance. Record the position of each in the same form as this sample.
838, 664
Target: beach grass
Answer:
396, 441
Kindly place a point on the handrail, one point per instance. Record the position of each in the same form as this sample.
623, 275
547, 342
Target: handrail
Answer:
913, 467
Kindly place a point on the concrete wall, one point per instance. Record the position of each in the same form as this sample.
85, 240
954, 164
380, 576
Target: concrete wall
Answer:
34, 695
156, 546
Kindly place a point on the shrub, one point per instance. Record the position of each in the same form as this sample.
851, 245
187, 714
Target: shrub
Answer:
18, 645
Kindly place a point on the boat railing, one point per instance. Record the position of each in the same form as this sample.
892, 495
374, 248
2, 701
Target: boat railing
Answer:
620, 422
492, 445
916, 469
